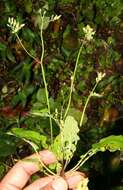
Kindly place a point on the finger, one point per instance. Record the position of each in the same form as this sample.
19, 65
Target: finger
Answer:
38, 184
58, 184
74, 178
48, 183
21, 172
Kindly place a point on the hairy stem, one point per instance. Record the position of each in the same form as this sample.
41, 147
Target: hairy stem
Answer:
72, 81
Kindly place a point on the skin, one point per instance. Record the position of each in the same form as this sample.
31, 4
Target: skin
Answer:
18, 176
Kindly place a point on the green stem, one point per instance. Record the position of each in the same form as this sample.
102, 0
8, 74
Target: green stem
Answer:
43, 75
43, 72
83, 160
72, 81
86, 104
25, 48
39, 159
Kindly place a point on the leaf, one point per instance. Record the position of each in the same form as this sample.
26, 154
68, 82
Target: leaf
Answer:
56, 147
41, 112
77, 115
6, 149
41, 96
28, 6
28, 90
10, 56
70, 136
38, 21
28, 35
2, 47
7, 146
111, 143
2, 170
30, 135
65, 143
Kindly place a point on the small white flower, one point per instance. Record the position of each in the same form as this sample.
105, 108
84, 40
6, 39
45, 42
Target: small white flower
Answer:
72, 78
55, 17
56, 113
89, 32
100, 76
97, 95
14, 25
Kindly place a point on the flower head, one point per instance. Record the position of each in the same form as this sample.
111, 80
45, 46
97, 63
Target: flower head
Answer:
100, 76
89, 32
97, 95
55, 17
14, 25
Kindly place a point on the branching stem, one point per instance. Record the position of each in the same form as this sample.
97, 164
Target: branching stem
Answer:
83, 160
25, 48
39, 159
43, 75
42, 69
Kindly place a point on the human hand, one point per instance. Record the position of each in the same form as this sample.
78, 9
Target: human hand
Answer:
18, 176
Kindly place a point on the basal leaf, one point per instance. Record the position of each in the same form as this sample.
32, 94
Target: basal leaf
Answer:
70, 136
30, 135
65, 143
57, 148
111, 143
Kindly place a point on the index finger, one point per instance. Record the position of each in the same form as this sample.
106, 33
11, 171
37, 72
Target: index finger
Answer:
18, 176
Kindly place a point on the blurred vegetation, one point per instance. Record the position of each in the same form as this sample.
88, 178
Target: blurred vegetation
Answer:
22, 88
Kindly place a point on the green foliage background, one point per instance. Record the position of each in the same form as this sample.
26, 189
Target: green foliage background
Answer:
22, 86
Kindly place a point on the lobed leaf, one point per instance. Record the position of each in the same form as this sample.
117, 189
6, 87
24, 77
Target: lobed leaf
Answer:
111, 143
65, 143
70, 136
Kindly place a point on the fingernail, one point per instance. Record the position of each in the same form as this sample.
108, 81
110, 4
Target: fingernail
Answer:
74, 180
59, 184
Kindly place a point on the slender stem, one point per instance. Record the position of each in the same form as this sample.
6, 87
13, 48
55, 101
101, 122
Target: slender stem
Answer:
66, 163
86, 104
25, 48
83, 160
71, 90
72, 80
43, 72
39, 158
43, 75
